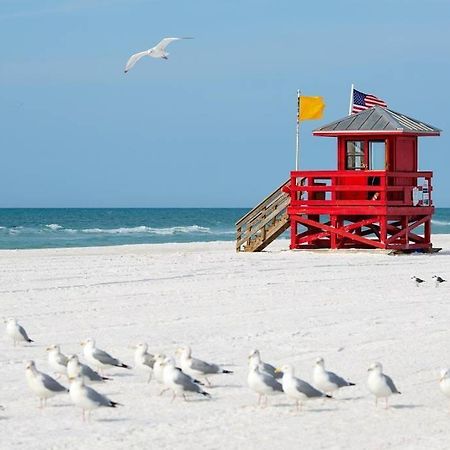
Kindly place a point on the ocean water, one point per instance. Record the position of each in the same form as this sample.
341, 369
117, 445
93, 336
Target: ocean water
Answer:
47, 228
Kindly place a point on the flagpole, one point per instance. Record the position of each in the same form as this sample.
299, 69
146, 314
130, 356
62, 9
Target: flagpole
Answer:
297, 136
350, 106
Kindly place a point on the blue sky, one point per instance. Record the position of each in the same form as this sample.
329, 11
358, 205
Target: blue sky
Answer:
214, 125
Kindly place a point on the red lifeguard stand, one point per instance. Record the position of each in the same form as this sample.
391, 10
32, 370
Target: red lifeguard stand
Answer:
376, 198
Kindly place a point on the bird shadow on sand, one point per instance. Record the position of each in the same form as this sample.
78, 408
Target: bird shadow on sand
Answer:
279, 405
198, 400
120, 375
215, 386
346, 399
405, 406
301, 411
318, 410
61, 405
112, 419
112, 393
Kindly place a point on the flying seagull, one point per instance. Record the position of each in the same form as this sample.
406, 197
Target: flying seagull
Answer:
158, 51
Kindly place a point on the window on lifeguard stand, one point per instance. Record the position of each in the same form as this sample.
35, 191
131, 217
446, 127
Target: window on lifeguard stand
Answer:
355, 155
377, 152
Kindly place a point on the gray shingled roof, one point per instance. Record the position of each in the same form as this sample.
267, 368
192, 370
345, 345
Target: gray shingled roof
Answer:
378, 119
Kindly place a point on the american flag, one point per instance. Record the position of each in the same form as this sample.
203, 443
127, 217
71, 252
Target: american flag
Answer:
363, 101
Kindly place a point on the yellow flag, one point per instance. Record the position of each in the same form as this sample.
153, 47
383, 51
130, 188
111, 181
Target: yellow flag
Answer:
310, 108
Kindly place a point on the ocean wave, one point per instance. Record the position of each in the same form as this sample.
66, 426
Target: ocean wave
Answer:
54, 226
164, 231
440, 222
149, 230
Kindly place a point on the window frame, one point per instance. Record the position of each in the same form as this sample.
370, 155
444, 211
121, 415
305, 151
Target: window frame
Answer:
364, 155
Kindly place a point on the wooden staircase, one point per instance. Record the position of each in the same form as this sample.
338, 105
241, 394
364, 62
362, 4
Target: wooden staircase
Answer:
264, 223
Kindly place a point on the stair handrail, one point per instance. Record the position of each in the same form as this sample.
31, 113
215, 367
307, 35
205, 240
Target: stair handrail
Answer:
258, 208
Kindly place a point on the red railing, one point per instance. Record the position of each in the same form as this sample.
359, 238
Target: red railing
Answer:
360, 188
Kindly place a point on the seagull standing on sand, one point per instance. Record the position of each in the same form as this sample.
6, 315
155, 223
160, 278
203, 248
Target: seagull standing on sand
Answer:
43, 385
379, 384
438, 280
417, 280
16, 332
444, 382
178, 382
158, 370
144, 360
255, 356
197, 368
262, 383
296, 388
57, 360
327, 381
76, 369
87, 398
158, 51
99, 358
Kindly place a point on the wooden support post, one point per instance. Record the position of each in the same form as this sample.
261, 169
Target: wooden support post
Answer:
293, 233
333, 236
383, 230
427, 231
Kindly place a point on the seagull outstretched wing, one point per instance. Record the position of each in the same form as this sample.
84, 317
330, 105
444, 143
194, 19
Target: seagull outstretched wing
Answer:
134, 59
161, 46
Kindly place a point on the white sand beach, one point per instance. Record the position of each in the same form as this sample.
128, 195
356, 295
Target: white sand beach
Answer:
352, 308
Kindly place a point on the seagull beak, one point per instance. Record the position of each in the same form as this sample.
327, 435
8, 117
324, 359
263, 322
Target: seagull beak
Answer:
82, 343
48, 349
278, 370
